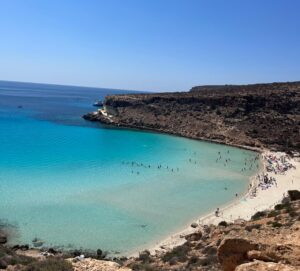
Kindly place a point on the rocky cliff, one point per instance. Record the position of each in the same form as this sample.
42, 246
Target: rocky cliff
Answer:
257, 116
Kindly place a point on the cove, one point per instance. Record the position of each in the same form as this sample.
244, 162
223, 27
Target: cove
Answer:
74, 185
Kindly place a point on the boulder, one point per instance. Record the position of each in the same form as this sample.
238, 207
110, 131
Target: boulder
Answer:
266, 266
3, 239
99, 252
276, 253
3, 264
294, 195
233, 252
24, 247
260, 255
37, 242
196, 236
194, 225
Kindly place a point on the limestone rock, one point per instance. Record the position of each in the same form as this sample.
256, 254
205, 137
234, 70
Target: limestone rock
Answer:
277, 253
266, 266
89, 264
195, 236
217, 113
233, 252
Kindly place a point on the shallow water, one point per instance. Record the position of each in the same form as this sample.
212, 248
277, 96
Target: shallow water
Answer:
75, 184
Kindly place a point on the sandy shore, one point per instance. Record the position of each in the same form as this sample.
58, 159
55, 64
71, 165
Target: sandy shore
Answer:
245, 206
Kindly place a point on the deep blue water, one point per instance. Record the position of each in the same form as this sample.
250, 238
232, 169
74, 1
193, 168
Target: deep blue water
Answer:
76, 184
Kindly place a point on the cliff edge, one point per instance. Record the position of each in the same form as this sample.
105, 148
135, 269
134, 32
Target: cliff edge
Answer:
254, 116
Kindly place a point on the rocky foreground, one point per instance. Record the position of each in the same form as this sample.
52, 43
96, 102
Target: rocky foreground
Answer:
256, 116
270, 241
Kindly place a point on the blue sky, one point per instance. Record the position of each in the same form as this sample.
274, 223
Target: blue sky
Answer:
162, 45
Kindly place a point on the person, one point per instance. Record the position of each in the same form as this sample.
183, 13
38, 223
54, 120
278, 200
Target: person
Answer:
217, 212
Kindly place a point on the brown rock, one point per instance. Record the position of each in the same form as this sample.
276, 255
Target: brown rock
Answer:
216, 113
266, 266
196, 236
89, 264
276, 253
259, 255
233, 252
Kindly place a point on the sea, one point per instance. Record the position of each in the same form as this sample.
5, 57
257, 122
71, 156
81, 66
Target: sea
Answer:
74, 184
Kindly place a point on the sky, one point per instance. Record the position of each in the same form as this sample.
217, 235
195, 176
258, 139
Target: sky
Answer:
155, 45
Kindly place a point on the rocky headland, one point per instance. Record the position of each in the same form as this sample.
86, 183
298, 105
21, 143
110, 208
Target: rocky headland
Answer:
255, 116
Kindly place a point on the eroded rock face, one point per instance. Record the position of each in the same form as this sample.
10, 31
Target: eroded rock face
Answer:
266, 266
277, 253
215, 113
233, 252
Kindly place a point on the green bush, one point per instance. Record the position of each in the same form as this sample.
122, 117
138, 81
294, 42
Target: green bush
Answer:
145, 256
179, 253
11, 258
223, 223
251, 227
282, 206
276, 224
258, 215
273, 213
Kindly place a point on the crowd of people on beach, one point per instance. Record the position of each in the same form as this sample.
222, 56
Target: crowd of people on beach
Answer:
278, 165
264, 182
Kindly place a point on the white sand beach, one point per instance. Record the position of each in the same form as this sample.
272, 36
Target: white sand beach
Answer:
246, 206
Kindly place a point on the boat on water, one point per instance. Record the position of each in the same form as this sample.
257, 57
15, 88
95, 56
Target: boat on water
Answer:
98, 103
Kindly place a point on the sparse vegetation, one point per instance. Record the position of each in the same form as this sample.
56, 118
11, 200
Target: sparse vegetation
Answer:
50, 264
281, 206
177, 254
9, 257
273, 213
276, 224
253, 226
145, 256
223, 223
258, 215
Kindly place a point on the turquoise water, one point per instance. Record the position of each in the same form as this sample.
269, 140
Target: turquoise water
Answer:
74, 184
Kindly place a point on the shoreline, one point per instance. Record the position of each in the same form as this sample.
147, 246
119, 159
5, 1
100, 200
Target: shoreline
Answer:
108, 122
241, 208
